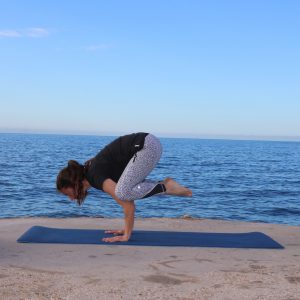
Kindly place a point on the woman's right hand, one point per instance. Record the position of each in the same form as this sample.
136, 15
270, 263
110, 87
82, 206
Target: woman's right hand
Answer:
114, 232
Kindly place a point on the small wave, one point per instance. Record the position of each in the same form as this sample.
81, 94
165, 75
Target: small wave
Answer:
66, 215
282, 211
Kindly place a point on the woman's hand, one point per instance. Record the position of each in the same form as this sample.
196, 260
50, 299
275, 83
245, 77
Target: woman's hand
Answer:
118, 238
115, 232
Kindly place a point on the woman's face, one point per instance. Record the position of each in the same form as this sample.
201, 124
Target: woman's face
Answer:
69, 191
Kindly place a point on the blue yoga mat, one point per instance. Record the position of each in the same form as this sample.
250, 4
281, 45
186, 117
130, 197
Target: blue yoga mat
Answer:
40, 234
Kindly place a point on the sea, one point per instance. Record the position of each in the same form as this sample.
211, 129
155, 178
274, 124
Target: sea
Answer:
252, 181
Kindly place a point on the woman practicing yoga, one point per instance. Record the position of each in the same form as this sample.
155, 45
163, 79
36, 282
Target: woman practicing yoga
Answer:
119, 170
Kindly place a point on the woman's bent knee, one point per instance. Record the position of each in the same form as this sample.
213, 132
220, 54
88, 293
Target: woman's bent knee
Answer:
120, 193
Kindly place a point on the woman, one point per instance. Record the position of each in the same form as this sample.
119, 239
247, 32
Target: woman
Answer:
120, 170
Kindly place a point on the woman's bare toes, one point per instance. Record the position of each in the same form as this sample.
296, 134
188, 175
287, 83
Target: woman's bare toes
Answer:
174, 188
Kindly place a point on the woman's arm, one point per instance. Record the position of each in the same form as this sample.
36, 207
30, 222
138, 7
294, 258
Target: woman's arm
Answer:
109, 187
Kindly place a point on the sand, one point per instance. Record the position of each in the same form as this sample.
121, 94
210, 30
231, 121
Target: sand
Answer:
55, 271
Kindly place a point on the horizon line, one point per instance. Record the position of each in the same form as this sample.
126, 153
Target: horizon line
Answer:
161, 134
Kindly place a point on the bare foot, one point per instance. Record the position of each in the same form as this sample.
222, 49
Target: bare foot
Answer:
174, 188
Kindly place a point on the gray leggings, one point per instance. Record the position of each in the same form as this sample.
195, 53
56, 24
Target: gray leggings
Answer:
132, 184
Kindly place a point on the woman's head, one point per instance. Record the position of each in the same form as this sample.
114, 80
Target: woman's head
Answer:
69, 181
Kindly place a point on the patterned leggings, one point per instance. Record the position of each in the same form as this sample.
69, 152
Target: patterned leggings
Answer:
132, 184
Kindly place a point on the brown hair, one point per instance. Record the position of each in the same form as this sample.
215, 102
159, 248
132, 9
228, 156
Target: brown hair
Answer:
72, 176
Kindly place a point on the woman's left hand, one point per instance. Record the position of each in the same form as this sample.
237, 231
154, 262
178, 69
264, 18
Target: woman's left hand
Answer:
115, 232
118, 238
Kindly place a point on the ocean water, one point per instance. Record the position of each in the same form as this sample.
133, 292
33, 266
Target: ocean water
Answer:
234, 180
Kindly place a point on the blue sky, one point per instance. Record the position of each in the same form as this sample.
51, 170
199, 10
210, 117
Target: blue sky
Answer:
174, 68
